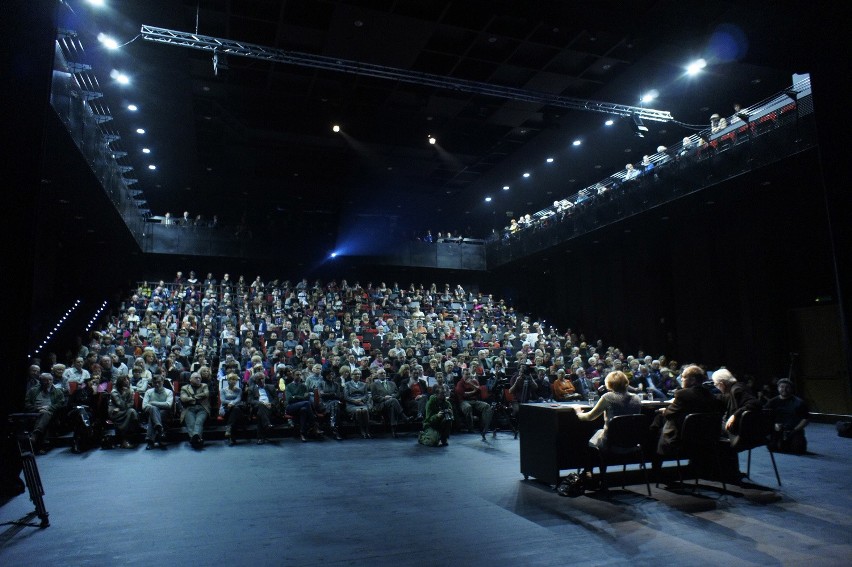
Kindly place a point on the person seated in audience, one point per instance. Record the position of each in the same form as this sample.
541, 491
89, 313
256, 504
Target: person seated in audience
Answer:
331, 395
717, 123
121, 411
83, 407
665, 158
563, 388
385, 394
790, 415
358, 401
414, 393
630, 172
616, 401
33, 377
648, 383
231, 407
138, 381
298, 359
45, 400
262, 398
195, 398
208, 379
157, 405
470, 399
300, 406
438, 421
76, 373
739, 113
58, 371
313, 379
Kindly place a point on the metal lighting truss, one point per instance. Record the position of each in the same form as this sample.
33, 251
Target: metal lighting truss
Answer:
231, 47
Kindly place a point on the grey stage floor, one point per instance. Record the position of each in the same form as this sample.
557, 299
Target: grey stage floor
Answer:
389, 501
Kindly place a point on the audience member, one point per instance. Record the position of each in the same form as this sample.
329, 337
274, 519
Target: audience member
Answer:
358, 402
300, 407
195, 398
790, 415
46, 401
262, 399
121, 412
157, 405
470, 400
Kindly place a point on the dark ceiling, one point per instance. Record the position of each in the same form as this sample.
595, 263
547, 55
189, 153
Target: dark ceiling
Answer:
255, 142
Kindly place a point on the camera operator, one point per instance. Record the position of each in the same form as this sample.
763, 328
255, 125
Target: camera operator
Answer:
439, 420
528, 385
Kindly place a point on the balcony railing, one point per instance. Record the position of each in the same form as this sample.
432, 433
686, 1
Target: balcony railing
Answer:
765, 133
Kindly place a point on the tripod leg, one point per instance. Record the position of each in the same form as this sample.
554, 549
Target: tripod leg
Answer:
35, 488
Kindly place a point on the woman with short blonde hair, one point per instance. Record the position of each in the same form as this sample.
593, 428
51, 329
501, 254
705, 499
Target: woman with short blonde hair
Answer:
617, 401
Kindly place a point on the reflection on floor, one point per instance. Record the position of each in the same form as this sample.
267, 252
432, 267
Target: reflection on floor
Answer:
393, 502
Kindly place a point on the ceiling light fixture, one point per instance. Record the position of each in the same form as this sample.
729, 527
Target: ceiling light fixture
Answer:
140, 130
638, 127
146, 151
132, 107
526, 174
432, 140
487, 199
98, 3
650, 95
576, 143
107, 41
696, 66
610, 122
152, 167
549, 160
505, 187
120, 78
335, 128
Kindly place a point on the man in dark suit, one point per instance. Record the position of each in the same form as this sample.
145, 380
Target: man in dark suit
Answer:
263, 399
692, 398
385, 395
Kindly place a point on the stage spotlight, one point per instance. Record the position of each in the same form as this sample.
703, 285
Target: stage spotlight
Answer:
576, 143
146, 151
526, 174
333, 255
140, 130
549, 160
505, 187
152, 167
639, 129
119, 77
335, 128
432, 140
132, 107
610, 122
107, 41
487, 199
696, 66
650, 95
